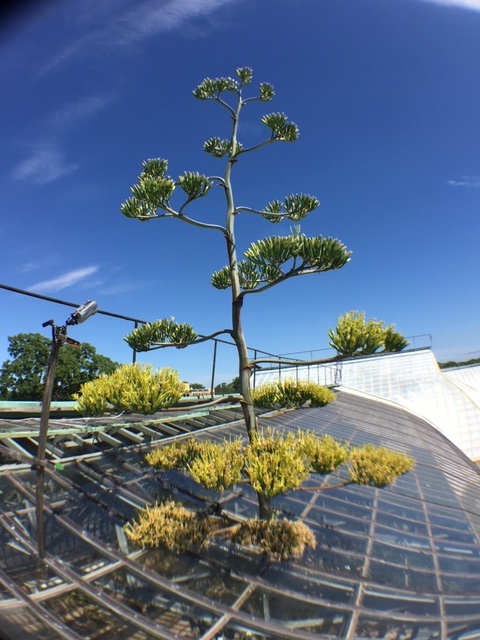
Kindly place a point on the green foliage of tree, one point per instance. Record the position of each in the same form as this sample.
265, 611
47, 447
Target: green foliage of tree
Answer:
132, 388
22, 376
291, 394
275, 463
225, 388
218, 466
325, 454
464, 363
393, 341
178, 455
266, 262
272, 464
172, 525
377, 466
279, 539
356, 336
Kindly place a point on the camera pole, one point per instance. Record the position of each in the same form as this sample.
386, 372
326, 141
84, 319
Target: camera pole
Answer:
59, 337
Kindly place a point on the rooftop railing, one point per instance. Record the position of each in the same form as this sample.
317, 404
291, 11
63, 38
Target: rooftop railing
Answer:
328, 373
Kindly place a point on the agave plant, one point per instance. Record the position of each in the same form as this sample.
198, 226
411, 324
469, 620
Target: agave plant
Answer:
266, 262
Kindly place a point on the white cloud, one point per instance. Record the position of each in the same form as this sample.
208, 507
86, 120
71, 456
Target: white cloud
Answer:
150, 18
63, 281
45, 161
472, 5
27, 267
44, 164
465, 181
79, 110
60, 58
94, 30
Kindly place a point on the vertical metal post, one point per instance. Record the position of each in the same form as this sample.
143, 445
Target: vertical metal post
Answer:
254, 369
212, 382
59, 337
42, 440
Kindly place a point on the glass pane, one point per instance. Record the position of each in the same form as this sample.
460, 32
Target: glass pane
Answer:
23, 623
334, 539
292, 578
460, 584
414, 525
90, 619
440, 533
333, 562
401, 556
163, 607
454, 564
195, 575
402, 539
390, 575
343, 522
395, 630
405, 603
27, 571
240, 632
462, 606
295, 614
463, 631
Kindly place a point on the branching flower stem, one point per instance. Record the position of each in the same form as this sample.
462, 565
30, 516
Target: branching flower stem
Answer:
196, 223
280, 216
232, 111
256, 146
301, 270
179, 345
325, 487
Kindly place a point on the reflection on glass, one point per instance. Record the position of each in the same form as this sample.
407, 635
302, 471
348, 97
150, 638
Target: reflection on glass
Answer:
163, 607
396, 630
295, 614
195, 575
396, 602
390, 575
294, 579
88, 618
402, 556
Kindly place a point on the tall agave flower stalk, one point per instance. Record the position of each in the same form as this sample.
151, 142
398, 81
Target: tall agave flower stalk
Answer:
266, 262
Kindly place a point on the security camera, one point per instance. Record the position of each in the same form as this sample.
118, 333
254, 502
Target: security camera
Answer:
83, 312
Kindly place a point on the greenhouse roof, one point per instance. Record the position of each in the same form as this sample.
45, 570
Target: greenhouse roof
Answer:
401, 562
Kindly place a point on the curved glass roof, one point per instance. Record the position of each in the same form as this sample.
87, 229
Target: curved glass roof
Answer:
449, 398
396, 563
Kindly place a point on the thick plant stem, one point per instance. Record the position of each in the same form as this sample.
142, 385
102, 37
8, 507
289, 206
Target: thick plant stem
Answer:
265, 511
244, 371
237, 297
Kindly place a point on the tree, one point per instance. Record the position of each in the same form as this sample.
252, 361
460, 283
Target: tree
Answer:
464, 363
196, 386
266, 263
224, 388
273, 464
356, 336
22, 377
132, 388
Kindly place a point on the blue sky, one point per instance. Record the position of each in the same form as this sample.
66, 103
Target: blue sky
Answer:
386, 94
